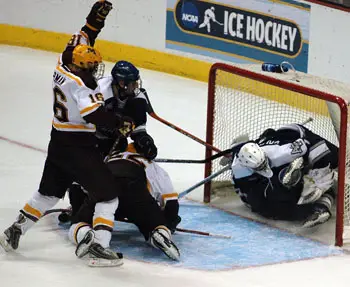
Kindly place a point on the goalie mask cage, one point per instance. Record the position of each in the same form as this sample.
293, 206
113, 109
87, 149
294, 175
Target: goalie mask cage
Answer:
244, 100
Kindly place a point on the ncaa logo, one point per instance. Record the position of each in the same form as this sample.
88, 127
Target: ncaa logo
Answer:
189, 15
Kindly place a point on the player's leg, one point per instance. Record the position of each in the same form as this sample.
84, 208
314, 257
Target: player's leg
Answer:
321, 210
53, 185
84, 236
142, 209
103, 191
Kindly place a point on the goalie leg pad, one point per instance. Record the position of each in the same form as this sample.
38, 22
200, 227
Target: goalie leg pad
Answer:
316, 183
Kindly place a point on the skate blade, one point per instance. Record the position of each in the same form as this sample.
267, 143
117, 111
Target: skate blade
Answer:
322, 219
168, 248
100, 262
4, 243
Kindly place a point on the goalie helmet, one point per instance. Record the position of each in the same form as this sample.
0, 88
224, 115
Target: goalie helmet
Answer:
88, 58
253, 157
129, 74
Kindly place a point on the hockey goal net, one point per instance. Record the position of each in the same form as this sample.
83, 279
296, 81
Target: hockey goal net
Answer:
245, 100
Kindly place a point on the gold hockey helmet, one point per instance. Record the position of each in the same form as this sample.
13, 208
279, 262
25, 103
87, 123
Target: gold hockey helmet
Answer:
88, 58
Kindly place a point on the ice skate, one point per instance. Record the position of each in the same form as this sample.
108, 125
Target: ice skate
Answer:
320, 215
84, 245
161, 239
293, 173
104, 257
9, 240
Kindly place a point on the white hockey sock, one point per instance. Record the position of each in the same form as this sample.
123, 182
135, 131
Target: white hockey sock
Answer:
77, 232
103, 237
35, 208
103, 221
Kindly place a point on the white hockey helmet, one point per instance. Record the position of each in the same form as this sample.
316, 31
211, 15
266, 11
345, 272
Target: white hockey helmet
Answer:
252, 156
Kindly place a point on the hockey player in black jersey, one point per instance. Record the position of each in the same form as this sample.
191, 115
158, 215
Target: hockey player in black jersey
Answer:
124, 95
287, 174
147, 199
72, 154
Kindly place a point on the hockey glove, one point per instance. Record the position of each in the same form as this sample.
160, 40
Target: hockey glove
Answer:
126, 126
96, 18
144, 145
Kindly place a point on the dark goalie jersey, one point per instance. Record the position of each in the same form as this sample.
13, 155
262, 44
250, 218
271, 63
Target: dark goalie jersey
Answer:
268, 196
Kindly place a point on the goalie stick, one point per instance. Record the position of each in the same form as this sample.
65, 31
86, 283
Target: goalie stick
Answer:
207, 179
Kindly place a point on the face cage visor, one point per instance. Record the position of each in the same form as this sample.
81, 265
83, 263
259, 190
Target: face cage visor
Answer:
132, 88
98, 70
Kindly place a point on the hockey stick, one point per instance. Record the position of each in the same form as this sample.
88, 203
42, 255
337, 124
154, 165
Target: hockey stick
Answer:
206, 160
55, 210
158, 118
64, 210
202, 233
217, 22
177, 229
207, 179
108, 156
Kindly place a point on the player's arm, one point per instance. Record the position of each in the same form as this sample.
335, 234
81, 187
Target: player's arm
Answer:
162, 190
144, 143
99, 117
87, 35
91, 107
95, 21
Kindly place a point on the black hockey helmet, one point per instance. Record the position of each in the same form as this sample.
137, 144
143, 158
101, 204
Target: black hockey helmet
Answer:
125, 71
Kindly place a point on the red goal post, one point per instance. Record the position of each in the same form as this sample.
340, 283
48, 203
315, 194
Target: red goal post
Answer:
243, 99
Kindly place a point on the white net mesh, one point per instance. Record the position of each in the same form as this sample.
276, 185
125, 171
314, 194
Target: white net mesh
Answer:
243, 105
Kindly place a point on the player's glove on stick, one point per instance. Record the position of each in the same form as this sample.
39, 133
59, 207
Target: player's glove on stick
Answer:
144, 144
98, 14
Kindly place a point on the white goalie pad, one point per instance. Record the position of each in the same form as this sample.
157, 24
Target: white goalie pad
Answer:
316, 183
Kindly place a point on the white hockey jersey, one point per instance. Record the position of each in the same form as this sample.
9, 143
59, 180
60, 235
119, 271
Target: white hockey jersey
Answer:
72, 99
278, 155
158, 180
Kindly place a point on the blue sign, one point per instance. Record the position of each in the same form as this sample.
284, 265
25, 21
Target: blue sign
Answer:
252, 31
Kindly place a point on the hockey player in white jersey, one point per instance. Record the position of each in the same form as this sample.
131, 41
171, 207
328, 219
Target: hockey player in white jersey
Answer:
72, 153
287, 174
147, 199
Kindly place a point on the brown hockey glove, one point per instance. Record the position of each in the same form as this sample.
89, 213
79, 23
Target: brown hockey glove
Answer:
96, 18
126, 126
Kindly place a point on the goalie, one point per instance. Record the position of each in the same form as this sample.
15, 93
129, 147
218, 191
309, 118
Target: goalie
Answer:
287, 174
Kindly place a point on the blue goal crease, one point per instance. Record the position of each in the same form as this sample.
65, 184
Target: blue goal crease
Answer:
251, 243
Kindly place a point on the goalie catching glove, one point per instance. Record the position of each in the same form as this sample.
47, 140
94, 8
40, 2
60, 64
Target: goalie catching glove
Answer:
96, 18
144, 145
